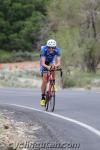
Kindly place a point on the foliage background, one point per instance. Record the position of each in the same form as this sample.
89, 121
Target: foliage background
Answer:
20, 23
25, 25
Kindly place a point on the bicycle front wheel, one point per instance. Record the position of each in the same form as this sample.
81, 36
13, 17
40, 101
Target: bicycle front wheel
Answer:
52, 101
50, 105
47, 102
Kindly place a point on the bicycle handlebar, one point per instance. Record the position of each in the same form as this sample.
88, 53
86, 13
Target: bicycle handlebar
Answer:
58, 69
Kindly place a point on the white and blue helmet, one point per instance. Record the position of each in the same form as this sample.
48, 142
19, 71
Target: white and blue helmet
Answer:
51, 43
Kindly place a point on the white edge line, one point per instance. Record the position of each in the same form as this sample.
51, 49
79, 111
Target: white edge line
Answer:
88, 127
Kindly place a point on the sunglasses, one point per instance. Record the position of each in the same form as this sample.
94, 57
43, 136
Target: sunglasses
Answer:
52, 47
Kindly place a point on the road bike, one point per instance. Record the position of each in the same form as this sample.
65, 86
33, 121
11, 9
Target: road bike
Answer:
50, 91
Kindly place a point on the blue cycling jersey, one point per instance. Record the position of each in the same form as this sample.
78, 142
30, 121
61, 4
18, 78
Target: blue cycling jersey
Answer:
49, 57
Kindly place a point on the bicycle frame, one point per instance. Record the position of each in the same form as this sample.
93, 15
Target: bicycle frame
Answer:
50, 80
50, 94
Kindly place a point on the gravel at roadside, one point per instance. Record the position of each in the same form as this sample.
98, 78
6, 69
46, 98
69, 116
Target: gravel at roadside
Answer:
14, 133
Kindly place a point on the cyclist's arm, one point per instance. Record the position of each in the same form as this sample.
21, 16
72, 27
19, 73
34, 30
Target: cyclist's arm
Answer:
43, 63
58, 62
43, 58
58, 58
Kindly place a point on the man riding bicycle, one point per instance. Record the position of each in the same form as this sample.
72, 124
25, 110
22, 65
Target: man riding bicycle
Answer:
50, 57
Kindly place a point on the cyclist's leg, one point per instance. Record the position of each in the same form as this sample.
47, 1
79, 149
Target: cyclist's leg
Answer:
43, 86
44, 83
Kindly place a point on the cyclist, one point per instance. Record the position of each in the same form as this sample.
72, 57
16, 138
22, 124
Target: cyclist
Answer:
50, 56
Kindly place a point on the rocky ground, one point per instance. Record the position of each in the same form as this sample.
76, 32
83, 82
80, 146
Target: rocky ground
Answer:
14, 134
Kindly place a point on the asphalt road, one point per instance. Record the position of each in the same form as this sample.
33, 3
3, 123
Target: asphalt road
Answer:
76, 118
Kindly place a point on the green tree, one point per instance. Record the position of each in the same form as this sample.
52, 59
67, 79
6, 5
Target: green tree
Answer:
64, 22
20, 23
75, 24
90, 33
